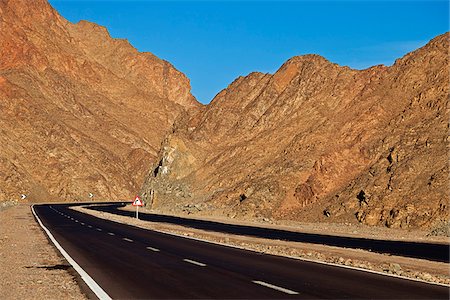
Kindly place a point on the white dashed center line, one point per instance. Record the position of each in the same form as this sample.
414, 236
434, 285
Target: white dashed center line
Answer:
290, 292
82, 223
194, 262
89, 226
128, 240
153, 249
110, 233
99, 229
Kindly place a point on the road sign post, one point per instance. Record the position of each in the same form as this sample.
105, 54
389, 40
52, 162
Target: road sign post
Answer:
137, 202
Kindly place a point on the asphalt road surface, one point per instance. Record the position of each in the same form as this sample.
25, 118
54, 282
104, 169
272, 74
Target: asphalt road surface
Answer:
435, 252
129, 262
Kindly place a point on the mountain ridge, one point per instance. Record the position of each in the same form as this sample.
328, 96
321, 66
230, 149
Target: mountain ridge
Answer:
315, 141
81, 112
297, 145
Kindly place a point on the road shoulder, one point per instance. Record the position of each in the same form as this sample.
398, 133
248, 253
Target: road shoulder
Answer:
31, 268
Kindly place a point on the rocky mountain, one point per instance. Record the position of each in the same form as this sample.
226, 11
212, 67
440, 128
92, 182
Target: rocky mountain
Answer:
80, 112
316, 142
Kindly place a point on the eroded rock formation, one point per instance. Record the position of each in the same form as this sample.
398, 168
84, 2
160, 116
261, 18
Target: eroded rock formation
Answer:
80, 112
317, 142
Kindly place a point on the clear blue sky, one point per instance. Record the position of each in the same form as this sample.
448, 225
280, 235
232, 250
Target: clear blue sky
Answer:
213, 42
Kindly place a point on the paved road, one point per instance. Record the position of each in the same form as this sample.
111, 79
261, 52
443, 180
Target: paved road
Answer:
435, 252
130, 262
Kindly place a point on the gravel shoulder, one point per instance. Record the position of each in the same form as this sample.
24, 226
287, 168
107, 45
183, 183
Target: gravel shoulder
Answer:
419, 269
30, 267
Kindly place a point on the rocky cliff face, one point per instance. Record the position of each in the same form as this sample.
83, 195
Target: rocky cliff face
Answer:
83, 113
317, 142
80, 112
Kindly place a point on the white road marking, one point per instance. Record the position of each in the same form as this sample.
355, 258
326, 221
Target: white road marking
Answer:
82, 223
290, 292
194, 262
89, 226
296, 257
153, 249
76, 221
127, 239
99, 229
110, 233
98, 291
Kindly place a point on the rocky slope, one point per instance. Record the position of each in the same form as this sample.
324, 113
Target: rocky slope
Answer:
80, 112
317, 142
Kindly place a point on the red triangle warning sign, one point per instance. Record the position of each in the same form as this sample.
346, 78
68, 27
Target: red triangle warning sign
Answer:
137, 202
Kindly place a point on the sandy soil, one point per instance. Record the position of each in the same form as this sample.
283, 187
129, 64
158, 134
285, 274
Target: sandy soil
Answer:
394, 265
30, 267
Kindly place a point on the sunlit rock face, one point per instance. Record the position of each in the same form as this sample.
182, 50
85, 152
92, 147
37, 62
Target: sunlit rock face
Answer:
316, 142
80, 112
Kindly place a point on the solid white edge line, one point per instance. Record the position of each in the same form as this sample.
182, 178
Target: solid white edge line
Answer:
98, 291
153, 249
289, 256
278, 288
195, 262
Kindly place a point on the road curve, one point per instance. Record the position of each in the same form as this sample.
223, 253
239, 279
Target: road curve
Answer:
429, 251
130, 262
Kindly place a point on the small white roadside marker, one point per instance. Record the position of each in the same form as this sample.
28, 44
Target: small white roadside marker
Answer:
290, 292
194, 262
128, 240
153, 249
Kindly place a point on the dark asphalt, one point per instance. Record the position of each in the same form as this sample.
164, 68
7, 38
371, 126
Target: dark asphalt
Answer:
435, 252
129, 262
